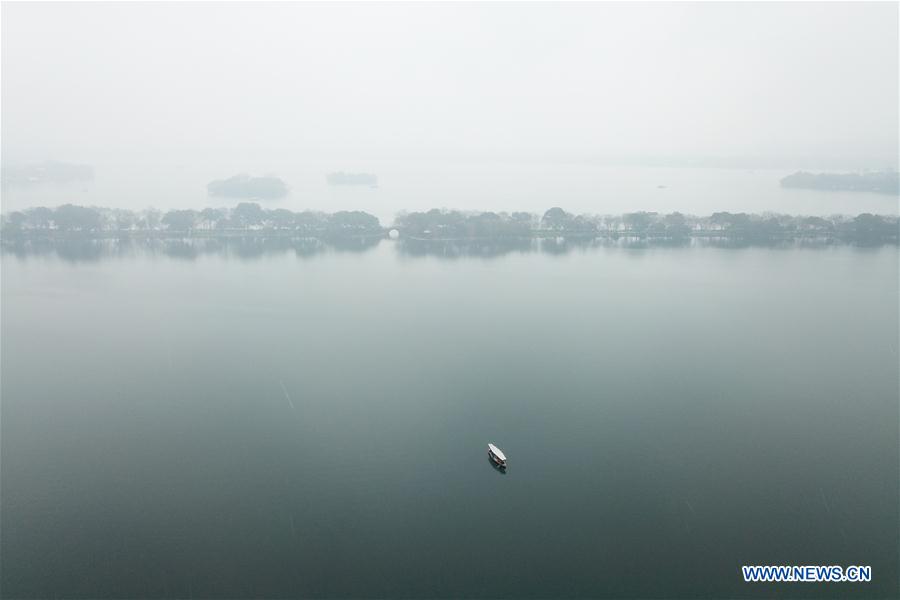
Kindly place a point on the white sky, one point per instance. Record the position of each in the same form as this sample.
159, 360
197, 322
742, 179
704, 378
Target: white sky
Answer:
462, 80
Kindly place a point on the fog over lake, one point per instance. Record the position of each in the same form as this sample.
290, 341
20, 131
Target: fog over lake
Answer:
291, 394
469, 106
498, 186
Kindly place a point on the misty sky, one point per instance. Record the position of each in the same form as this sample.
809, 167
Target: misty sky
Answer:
460, 80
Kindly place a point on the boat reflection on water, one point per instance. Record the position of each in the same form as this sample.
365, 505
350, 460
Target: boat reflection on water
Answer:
495, 466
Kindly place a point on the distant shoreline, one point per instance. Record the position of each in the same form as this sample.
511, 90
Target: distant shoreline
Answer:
248, 220
879, 182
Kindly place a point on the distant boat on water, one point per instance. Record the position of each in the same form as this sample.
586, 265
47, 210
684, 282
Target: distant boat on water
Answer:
497, 456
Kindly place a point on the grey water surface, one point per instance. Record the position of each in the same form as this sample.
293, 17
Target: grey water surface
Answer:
284, 423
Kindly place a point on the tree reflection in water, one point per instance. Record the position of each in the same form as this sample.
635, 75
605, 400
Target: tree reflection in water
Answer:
85, 249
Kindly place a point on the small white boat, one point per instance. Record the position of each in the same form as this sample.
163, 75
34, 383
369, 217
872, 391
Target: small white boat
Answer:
497, 456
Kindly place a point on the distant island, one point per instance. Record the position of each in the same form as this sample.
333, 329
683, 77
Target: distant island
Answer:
245, 186
884, 182
46, 172
445, 226
341, 178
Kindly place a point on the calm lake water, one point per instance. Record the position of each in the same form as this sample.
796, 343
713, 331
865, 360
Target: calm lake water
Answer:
243, 421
